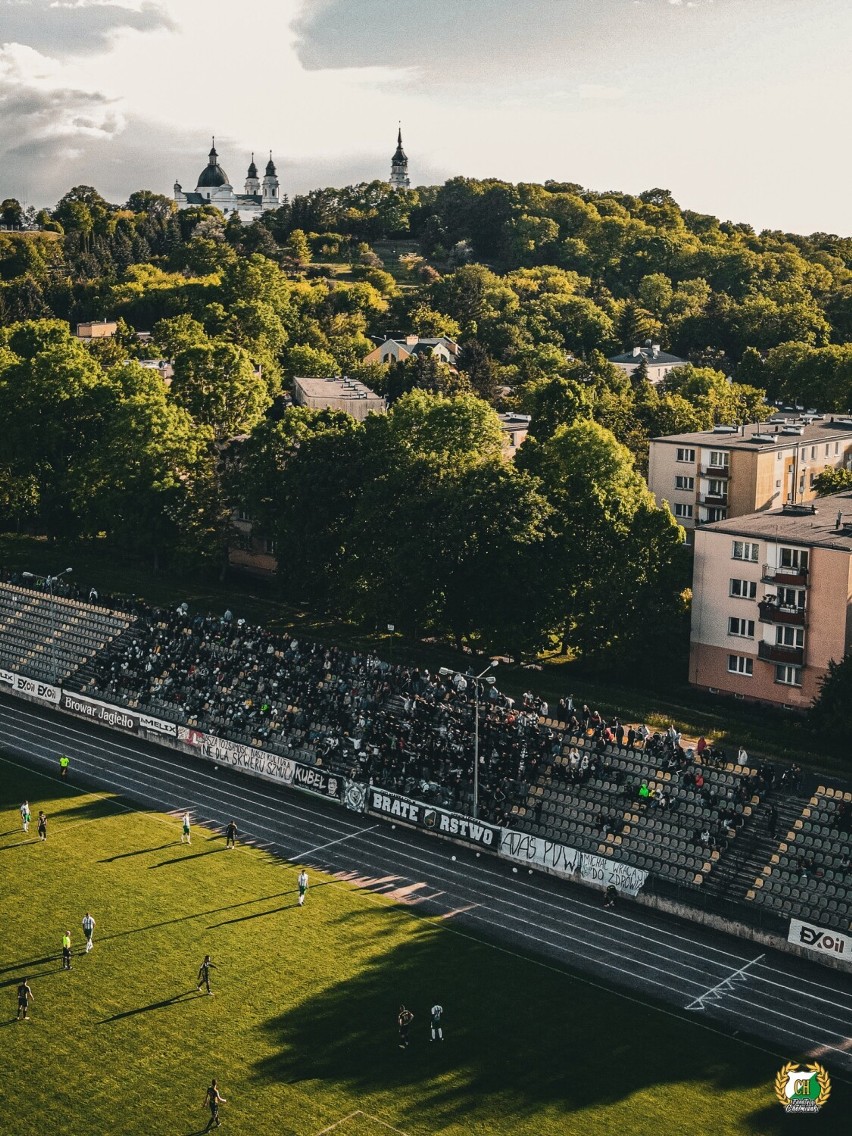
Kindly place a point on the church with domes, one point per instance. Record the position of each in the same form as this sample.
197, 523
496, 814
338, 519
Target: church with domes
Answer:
214, 188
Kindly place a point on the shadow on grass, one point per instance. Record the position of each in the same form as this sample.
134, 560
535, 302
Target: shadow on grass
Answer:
513, 1032
19, 844
274, 911
98, 809
136, 852
146, 1009
183, 859
28, 962
185, 918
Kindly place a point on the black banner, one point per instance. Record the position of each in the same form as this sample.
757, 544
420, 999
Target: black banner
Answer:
430, 818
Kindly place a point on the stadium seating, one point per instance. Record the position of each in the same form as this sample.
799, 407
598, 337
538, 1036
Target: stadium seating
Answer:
48, 637
807, 876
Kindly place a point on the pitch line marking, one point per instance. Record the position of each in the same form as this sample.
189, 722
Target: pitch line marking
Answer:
349, 836
726, 986
368, 1115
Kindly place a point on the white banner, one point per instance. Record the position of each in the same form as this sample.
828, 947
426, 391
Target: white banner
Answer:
239, 756
115, 716
602, 870
32, 688
157, 725
819, 939
7, 677
533, 852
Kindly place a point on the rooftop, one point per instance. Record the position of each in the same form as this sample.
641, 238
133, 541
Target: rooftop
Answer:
340, 387
780, 432
650, 352
812, 524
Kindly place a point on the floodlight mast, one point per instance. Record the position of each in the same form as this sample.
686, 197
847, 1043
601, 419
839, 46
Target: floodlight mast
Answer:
477, 681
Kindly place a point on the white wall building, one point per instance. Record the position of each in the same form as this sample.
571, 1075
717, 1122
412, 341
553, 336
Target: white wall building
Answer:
214, 188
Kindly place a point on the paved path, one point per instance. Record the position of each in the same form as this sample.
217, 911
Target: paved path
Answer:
788, 1006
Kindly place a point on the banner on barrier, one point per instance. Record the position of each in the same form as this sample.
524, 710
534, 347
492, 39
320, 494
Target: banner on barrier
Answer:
820, 939
533, 852
261, 763
157, 725
602, 870
7, 677
32, 688
431, 818
96, 711
355, 795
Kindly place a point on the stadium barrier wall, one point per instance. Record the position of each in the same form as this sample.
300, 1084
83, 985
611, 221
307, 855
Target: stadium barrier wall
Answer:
552, 860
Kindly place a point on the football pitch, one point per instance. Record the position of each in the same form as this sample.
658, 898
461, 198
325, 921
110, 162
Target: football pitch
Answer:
301, 1030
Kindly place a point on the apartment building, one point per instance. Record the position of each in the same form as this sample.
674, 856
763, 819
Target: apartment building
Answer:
731, 471
772, 601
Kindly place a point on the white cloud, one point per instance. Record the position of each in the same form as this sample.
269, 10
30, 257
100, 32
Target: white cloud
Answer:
599, 91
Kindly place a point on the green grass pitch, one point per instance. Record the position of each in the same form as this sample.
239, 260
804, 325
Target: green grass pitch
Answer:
301, 1031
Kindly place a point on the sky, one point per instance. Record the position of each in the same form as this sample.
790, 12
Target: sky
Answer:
737, 106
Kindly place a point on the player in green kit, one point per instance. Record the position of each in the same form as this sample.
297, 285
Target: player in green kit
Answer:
303, 886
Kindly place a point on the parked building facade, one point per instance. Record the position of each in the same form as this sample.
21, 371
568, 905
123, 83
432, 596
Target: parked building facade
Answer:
772, 601
731, 471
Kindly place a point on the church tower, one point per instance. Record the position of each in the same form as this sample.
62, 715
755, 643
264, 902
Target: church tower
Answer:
252, 180
270, 186
399, 166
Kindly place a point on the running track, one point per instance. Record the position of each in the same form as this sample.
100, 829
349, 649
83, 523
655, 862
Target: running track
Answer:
783, 1004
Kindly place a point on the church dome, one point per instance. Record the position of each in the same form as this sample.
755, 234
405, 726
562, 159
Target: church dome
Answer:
212, 175
270, 168
252, 170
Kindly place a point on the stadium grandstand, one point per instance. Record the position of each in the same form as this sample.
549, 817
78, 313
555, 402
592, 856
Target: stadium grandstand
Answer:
749, 839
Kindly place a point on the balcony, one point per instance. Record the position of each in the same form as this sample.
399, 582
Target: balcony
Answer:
776, 653
717, 499
715, 470
791, 577
781, 613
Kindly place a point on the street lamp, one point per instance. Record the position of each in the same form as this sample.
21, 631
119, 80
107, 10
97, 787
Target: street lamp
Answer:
49, 582
477, 680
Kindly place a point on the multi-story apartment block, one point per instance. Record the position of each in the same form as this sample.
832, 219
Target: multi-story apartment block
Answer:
772, 601
730, 471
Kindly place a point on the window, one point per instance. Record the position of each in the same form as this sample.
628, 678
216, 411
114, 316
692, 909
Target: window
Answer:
715, 514
789, 637
718, 459
685, 455
740, 664
813, 452
683, 511
745, 550
743, 589
792, 598
741, 627
777, 484
795, 558
836, 448
687, 483
269, 546
826, 449
243, 515
789, 676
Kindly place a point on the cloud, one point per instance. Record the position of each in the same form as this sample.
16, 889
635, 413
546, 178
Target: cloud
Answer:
599, 91
44, 123
76, 27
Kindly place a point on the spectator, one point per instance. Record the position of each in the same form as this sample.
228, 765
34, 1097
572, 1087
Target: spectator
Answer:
742, 756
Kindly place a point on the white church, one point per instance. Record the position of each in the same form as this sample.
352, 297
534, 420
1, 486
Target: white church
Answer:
214, 188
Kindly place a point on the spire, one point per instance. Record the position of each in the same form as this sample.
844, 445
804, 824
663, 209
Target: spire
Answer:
399, 164
270, 166
252, 170
213, 156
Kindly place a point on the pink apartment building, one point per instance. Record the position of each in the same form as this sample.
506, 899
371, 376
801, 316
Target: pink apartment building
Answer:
772, 601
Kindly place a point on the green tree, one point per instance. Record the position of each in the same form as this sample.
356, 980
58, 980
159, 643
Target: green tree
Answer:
832, 481
828, 717
11, 213
218, 385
